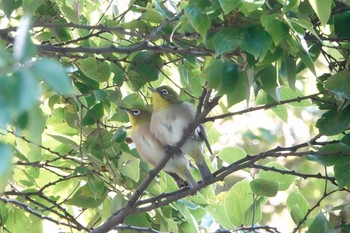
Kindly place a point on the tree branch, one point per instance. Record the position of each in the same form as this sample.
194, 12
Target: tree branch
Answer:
262, 107
33, 212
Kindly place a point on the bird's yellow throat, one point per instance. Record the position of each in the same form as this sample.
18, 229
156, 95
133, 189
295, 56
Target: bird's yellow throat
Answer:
159, 102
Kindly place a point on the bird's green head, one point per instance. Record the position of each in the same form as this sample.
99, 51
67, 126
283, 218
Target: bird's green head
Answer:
137, 116
163, 97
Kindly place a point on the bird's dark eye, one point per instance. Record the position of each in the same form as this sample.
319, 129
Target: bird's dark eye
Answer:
136, 112
164, 92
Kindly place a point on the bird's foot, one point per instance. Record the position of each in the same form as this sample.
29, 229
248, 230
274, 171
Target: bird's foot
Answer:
170, 150
208, 177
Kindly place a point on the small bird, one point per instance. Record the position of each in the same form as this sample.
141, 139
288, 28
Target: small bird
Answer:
170, 118
151, 150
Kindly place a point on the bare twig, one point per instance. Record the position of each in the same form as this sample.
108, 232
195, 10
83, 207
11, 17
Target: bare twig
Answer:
33, 212
262, 107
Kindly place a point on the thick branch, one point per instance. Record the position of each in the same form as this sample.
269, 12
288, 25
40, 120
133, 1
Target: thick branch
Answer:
113, 49
248, 161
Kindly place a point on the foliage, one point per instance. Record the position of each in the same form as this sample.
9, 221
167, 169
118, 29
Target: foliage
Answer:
66, 157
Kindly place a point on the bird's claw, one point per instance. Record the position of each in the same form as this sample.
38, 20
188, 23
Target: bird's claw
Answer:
170, 150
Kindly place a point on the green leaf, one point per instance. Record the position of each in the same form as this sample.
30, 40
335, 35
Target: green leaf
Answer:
68, 11
4, 212
151, 15
5, 165
54, 75
341, 24
274, 26
100, 94
199, 21
291, 5
9, 6
141, 220
192, 223
283, 180
29, 6
269, 83
339, 84
18, 94
226, 40
66, 141
28, 90
289, 68
342, 173
118, 74
119, 135
271, 56
232, 154
129, 166
268, 78
333, 122
229, 5
288, 94
237, 203
94, 114
222, 76
213, 73
17, 221
217, 211
162, 9
301, 25
130, 101
256, 209
263, 187
281, 112
321, 225
306, 59
23, 48
36, 126
86, 197
94, 69
36, 225
328, 155
229, 78
251, 6
143, 68
322, 9
297, 206
95, 183
241, 91
256, 41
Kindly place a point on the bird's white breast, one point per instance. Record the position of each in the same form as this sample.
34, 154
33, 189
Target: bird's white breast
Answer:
168, 124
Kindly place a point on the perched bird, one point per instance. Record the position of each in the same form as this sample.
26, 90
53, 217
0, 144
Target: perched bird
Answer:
151, 150
170, 117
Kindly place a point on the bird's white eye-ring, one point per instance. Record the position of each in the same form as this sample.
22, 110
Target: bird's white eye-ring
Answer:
164, 92
136, 112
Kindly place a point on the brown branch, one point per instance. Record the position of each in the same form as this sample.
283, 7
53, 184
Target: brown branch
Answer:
297, 228
252, 229
137, 229
294, 173
220, 174
40, 194
126, 50
26, 208
262, 107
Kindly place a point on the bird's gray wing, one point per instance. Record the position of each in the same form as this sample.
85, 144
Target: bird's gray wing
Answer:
203, 136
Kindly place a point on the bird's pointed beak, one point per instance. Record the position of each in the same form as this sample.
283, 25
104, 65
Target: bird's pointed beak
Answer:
125, 109
152, 89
